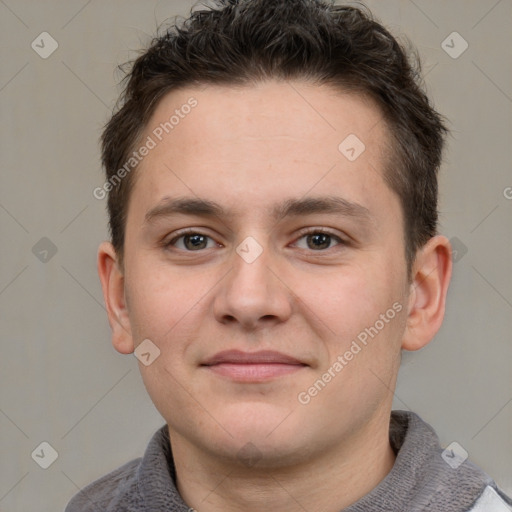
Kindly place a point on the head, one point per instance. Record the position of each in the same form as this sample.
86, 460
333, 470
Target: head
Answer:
247, 42
260, 119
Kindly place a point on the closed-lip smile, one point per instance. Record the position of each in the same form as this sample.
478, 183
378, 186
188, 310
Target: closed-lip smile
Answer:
252, 366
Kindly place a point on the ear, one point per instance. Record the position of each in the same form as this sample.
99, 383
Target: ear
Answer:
112, 282
432, 272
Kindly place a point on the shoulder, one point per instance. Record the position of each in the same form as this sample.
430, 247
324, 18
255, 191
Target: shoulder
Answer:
102, 494
492, 500
437, 479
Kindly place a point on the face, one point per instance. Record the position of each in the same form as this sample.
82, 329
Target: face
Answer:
264, 258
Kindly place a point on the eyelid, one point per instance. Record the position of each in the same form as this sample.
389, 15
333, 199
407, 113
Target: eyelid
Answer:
314, 230
186, 231
303, 232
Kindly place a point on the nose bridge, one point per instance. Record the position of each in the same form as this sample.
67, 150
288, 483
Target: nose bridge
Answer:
251, 274
251, 291
251, 266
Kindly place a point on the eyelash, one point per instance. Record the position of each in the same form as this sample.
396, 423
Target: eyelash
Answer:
302, 234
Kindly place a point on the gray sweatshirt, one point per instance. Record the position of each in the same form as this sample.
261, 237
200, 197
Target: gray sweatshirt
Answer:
424, 478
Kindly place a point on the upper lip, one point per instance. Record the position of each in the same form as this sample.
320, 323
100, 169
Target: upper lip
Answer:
261, 357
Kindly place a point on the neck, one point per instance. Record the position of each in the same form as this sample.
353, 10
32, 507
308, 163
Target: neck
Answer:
330, 482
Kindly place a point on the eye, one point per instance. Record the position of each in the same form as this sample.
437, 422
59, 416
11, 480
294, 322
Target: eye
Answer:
191, 241
319, 239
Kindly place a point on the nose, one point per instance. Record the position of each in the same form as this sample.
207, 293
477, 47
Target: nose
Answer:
253, 293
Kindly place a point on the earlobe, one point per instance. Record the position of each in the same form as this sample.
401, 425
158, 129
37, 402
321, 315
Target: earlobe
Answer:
431, 277
112, 283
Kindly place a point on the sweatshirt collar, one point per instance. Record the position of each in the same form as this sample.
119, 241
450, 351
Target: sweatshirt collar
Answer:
420, 479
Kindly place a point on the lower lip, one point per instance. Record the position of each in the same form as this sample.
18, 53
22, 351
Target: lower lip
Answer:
254, 372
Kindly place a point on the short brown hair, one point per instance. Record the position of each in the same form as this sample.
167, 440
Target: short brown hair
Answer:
240, 42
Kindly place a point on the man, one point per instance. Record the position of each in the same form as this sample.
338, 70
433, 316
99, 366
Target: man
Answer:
272, 181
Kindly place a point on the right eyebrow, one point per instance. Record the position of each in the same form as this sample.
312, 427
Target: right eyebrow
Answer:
184, 206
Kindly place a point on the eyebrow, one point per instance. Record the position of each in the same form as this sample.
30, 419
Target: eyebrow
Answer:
288, 208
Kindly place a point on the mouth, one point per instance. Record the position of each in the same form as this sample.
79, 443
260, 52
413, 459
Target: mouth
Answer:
252, 366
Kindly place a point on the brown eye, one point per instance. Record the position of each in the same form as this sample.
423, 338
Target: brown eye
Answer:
319, 240
191, 241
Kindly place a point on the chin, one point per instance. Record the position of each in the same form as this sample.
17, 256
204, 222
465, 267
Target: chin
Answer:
278, 453
270, 434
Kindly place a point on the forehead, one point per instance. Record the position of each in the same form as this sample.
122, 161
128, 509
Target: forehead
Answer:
271, 109
256, 144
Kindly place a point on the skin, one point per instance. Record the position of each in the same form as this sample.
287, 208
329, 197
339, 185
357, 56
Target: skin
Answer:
248, 149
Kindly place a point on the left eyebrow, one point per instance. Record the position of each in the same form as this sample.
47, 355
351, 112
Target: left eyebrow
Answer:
324, 204
288, 208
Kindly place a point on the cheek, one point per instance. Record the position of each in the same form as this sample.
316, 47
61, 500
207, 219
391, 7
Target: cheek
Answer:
158, 300
363, 306
348, 300
162, 309
171, 307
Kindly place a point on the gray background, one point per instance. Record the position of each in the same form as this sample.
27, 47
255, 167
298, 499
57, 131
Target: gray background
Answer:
61, 380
